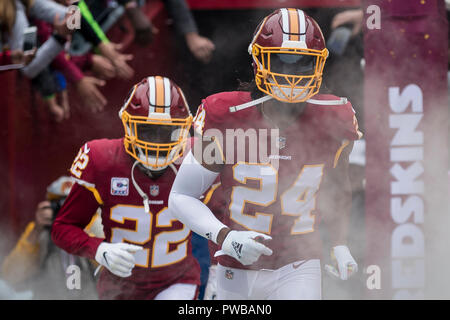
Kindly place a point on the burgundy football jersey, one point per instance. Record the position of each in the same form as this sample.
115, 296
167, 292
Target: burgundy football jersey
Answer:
272, 179
104, 168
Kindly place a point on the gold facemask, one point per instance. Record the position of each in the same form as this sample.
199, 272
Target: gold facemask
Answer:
154, 151
289, 87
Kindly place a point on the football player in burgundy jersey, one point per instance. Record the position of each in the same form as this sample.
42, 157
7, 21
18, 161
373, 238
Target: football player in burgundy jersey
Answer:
281, 151
146, 253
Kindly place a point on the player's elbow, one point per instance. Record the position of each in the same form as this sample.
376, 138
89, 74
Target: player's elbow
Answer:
181, 205
57, 233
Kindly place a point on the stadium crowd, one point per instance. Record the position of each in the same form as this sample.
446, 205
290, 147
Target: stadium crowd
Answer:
35, 37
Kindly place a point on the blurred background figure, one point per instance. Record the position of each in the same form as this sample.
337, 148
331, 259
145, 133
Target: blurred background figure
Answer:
349, 19
15, 59
199, 46
38, 265
345, 43
8, 293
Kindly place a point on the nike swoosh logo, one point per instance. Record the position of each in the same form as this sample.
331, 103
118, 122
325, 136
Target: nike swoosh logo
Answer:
104, 257
295, 266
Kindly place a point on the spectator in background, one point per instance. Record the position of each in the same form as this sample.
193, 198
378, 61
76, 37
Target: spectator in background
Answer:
200, 47
36, 263
346, 47
353, 17
14, 59
72, 70
104, 46
15, 13
52, 87
142, 26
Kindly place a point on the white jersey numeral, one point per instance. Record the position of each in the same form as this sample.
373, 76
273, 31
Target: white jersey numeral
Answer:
80, 162
159, 255
298, 200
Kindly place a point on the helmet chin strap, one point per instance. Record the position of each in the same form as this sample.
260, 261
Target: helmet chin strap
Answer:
340, 101
139, 190
250, 104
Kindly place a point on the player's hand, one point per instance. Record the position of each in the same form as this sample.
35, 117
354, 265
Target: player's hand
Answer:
242, 246
211, 285
117, 257
346, 265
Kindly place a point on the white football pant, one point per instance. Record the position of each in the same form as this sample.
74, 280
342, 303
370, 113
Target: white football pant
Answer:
178, 291
300, 280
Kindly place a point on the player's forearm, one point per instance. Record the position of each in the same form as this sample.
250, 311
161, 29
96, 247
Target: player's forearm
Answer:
191, 183
68, 228
74, 240
195, 215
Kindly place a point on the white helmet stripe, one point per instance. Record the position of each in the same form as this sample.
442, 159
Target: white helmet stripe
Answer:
285, 21
302, 20
151, 94
167, 96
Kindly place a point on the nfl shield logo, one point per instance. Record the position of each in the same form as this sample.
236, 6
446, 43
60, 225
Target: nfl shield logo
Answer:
154, 190
229, 274
281, 143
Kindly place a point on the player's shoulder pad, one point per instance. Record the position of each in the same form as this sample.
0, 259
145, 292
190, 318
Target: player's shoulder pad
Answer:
217, 106
91, 154
103, 149
337, 117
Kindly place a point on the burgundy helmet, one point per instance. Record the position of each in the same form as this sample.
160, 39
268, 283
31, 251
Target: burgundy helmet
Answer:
156, 119
289, 53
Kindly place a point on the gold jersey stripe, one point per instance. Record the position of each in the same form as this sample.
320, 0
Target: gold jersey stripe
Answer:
210, 193
91, 223
338, 153
96, 194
